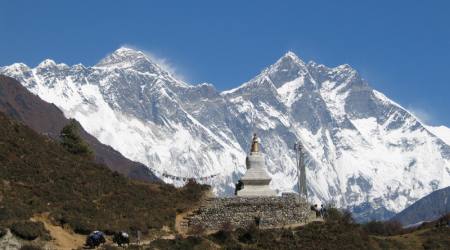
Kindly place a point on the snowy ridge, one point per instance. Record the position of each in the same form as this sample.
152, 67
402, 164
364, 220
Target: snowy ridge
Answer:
361, 147
442, 132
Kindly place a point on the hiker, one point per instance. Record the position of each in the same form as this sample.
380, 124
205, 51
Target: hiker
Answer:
257, 221
316, 209
121, 238
239, 186
323, 211
95, 239
138, 237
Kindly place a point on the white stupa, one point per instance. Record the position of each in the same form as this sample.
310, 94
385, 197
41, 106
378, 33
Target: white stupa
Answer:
255, 181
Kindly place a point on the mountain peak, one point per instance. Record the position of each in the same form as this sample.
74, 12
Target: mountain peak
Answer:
290, 57
19, 67
124, 58
124, 49
50, 64
291, 54
47, 63
287, 68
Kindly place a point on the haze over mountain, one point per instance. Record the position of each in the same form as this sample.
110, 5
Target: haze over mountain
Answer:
363, 150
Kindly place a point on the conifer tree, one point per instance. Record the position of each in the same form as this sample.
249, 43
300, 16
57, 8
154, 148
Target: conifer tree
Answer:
71, 140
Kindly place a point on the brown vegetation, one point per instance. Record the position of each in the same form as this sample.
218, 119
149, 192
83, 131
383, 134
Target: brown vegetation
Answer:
386, 228
28, 230
38, 175
337, 232
197, 230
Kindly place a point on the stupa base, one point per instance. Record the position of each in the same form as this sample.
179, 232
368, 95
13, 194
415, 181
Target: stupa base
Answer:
251, 191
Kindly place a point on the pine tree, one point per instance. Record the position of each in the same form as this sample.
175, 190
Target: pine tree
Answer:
71, 140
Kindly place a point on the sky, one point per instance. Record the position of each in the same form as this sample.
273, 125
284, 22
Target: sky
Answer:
402, 48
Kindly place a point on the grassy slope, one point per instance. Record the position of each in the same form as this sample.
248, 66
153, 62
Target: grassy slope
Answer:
37, 175
428, 237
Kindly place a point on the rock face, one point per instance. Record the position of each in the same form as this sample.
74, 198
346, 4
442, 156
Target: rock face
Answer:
270, 212
256, 180
362, 150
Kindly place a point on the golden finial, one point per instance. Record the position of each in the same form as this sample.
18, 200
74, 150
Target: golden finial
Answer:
255, 144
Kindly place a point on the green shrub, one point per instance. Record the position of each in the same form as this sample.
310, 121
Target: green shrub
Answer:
225, 238
335, 215
15, 210
28, 230
197, 230
72, 141
178, 243
248, 235
227, 226
221, 236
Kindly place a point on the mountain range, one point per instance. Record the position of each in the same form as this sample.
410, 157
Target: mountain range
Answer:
363, 151
428, 208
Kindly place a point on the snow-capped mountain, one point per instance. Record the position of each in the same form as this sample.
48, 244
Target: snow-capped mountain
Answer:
441, 132
362, 149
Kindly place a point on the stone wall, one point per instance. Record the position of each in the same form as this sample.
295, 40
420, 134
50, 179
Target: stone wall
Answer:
274, 211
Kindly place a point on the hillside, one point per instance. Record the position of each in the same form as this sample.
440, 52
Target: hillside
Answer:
20, 104
37, 175
428, 208
339, 232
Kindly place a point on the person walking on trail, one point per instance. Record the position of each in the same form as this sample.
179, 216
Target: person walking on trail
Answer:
138, 237
323, 211
316, 209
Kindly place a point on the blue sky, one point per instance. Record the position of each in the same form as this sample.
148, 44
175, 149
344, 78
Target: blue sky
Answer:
401, 47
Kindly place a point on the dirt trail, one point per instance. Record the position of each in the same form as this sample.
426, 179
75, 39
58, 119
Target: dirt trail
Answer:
62, 238
179, 219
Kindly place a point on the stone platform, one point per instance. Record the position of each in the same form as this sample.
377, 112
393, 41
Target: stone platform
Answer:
275, 211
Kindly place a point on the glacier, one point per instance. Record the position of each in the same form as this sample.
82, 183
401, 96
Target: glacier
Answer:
363, 151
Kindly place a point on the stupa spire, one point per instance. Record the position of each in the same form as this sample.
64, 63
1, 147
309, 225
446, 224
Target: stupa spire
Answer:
255, 144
